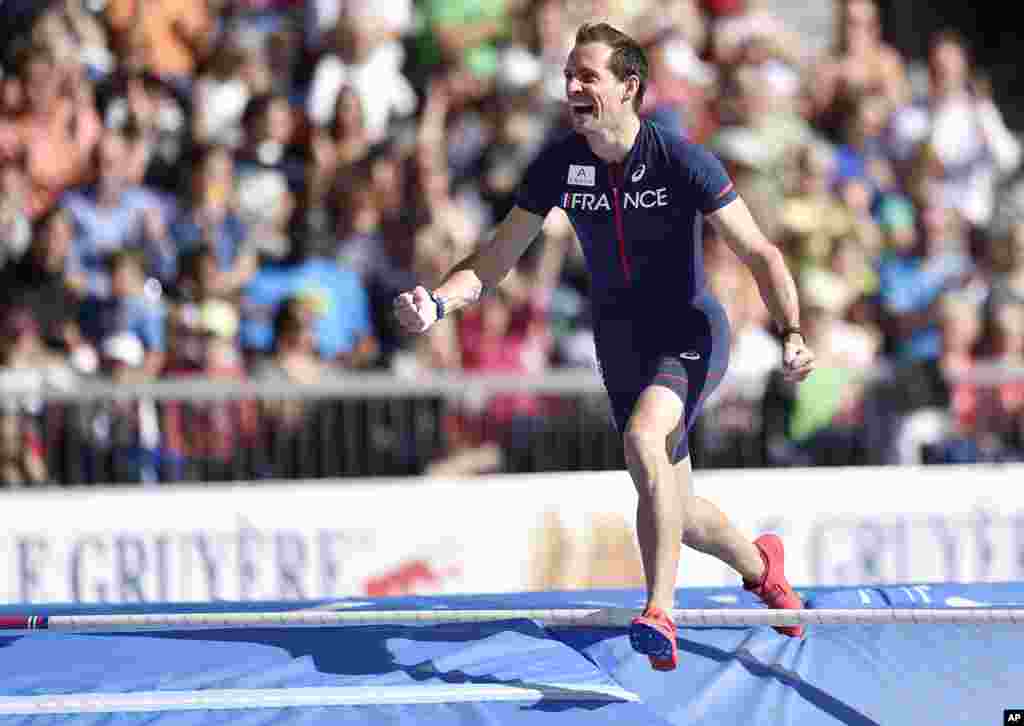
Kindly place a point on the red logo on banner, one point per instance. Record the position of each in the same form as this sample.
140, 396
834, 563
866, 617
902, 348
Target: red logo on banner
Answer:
408, 578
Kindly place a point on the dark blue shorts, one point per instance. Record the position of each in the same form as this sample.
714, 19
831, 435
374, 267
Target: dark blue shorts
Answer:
685, 351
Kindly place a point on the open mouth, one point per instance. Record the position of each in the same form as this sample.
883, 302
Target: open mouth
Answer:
582, 109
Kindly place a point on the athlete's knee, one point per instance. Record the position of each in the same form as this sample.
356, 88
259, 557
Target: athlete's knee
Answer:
641, 442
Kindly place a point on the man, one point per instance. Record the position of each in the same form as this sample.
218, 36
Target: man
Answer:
114, 214
636, 196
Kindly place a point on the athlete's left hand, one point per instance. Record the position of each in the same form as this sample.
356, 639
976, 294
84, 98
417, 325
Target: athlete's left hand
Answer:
797, 359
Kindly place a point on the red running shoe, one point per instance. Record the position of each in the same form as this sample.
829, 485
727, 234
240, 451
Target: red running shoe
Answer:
774, 590
654, 635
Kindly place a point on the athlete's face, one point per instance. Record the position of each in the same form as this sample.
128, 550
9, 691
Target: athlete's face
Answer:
597, 99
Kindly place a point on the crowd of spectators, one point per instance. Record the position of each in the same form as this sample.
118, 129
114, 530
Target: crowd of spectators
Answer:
237, 189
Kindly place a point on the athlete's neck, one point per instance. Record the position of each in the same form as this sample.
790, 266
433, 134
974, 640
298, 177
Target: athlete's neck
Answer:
613, 145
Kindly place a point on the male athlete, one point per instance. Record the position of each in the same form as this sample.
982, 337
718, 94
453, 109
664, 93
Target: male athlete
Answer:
637, 196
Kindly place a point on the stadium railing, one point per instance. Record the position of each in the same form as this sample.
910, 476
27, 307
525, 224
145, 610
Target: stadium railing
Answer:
377, 424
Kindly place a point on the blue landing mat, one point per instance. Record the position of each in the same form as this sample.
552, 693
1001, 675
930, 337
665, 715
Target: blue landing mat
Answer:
518, 672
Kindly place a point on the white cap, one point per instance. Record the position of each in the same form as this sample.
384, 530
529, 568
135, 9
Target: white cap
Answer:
124, 347
260, 195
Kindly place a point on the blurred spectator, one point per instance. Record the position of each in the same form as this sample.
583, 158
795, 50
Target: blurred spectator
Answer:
38, 283
75, 35
547, 37
134, 306
293, 360
855, 266
167, 37
861, 64
115, 214
210, 219
53, 130
245, 168
123, 435
15, 229
501, 335
747, 23
294, 356
962, 129
27, 371
762, 134
679, 86
998, 410
862, 155
507, 333
1008, 276
912, 279
234, 74
266, 207
269, 132
207, 440
463, 35
151, 116
813, 218
365, 53
343, 330
337, 147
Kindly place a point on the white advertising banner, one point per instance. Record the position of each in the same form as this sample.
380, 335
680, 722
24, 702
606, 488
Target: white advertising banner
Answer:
320, 539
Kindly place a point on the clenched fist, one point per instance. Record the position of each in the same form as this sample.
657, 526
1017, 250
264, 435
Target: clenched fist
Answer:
415, 310
797, 360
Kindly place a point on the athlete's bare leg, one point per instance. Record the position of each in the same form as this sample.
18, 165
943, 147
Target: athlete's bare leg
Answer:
668, 512
707, 529
660, 506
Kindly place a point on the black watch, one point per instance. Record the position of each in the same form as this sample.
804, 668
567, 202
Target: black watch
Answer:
438, 303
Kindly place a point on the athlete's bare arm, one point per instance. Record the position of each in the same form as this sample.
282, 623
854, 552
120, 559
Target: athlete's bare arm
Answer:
778, 289
482, 270
489, 265
737, 226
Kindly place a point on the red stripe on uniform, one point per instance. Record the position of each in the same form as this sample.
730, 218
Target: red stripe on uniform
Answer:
622, 237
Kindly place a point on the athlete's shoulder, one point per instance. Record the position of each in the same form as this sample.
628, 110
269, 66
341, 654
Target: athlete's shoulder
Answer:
697, 169
678, 149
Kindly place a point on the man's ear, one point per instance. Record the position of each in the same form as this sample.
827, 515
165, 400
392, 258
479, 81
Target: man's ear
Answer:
632, 88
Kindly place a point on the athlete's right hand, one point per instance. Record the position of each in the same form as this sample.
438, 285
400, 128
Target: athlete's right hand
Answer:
415, 310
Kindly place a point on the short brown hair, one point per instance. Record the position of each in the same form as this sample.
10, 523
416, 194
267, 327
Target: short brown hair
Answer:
627, 58
133, 256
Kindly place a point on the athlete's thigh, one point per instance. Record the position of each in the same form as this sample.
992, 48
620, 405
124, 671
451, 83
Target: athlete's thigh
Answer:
658, 409
692, 367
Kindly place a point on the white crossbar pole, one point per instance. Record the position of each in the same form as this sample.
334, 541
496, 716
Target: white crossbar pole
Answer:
609, 617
